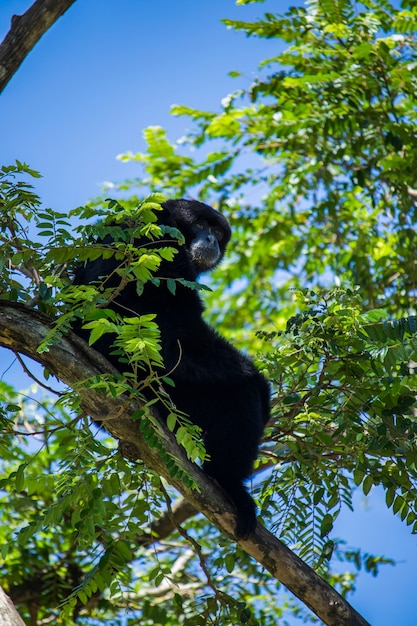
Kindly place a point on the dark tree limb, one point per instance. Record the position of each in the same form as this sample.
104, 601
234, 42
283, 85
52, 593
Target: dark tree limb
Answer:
167, 523
25, 32
72, 361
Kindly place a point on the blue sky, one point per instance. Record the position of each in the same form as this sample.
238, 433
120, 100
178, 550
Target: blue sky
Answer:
106, 70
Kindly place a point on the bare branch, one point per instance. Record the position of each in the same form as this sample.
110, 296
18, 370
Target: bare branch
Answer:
33, 377
71, 360
25, 32
168, 522
8, 614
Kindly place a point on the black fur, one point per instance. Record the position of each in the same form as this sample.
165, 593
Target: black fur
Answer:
215, 384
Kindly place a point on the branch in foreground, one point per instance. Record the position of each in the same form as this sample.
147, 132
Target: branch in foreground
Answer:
72, 361
25, 32
8, 614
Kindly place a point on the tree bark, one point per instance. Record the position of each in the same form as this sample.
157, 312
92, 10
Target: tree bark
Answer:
25, 32
72, 361
8, 614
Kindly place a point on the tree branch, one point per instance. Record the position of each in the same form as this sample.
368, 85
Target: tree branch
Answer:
167, 523
8, 614
25, 32
72, 361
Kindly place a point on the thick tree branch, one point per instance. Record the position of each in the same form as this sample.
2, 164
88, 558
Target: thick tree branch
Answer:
8, 614
25, 32
72, 361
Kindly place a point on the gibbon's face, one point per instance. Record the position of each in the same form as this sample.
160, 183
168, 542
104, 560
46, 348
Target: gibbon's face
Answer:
205, 230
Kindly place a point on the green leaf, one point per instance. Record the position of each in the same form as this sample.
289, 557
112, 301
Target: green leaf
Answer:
367, 485
171, 421
172, 286
20, 478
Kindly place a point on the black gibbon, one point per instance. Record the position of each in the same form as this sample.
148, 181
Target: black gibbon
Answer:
217, 386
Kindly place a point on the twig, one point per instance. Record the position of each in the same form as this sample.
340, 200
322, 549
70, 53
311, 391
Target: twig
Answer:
33, 377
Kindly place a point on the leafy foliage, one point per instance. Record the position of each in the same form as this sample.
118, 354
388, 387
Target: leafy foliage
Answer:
344, 415
314, 165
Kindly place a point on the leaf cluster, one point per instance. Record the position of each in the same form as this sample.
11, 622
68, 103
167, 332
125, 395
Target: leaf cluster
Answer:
344, 416
314, 161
